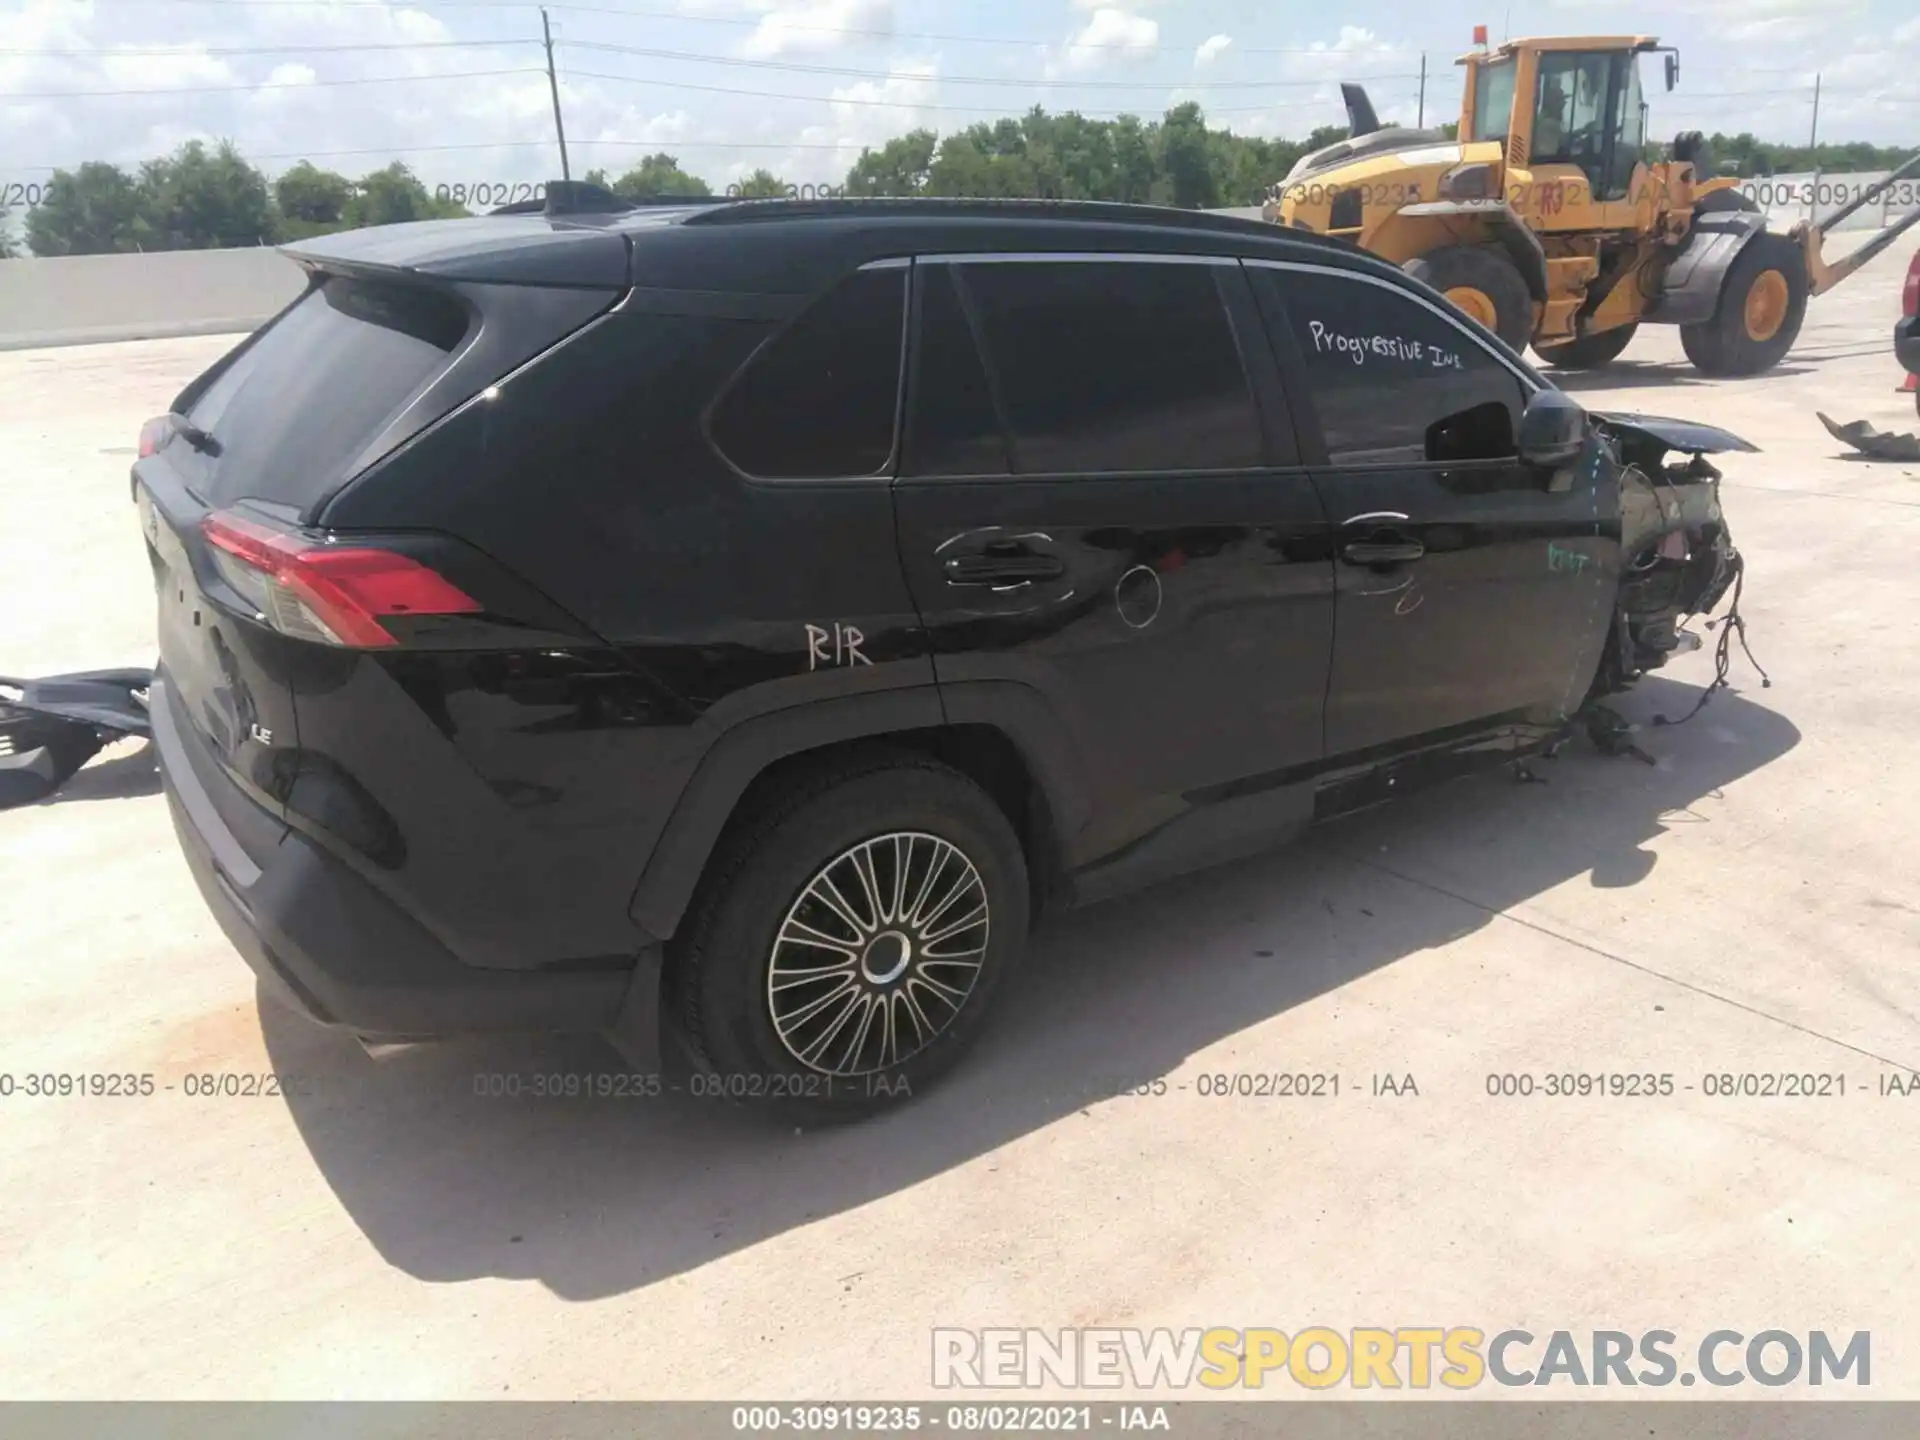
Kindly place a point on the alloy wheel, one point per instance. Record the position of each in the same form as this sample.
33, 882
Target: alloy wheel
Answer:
876, 958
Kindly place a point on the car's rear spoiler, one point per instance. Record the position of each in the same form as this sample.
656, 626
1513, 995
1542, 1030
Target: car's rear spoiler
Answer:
487, 249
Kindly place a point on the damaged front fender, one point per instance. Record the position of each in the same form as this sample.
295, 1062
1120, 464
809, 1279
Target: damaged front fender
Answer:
1677, 556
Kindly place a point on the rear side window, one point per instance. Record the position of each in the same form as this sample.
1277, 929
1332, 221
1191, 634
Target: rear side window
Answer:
303, 402
1392, 382
1114, 366
818, 401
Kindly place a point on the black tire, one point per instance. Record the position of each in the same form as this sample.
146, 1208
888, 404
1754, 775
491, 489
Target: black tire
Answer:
1589, 352
718, 980
1724, 346
1493, 274
1718, 202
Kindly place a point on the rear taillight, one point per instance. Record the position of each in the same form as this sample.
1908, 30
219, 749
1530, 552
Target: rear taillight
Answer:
153, 434
330, 592
1911, 298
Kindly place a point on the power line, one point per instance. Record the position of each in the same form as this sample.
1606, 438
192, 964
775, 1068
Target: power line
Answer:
656, 144
191, 90
693, 57
753, 22
191, 50
871, 32
896, 104
570, 73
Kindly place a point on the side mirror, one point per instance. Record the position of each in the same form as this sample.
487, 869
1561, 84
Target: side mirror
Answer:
1553, 430
1673, 70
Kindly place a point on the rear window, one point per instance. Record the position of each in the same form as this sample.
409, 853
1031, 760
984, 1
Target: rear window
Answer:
313, 391
818, 401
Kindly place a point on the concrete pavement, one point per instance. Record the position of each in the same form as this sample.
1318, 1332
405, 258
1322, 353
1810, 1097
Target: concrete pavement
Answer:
1750, 904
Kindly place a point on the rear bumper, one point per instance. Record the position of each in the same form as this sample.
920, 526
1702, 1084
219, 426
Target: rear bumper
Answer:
1906, 344
330, 945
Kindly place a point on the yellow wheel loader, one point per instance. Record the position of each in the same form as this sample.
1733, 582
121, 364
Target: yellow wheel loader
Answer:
1545, 222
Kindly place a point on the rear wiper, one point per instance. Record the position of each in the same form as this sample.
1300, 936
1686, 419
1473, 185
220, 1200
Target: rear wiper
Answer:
199, 439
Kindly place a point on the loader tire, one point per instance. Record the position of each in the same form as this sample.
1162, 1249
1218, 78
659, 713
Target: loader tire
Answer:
1589, 352
1484, 284
1718, 202
1763, 303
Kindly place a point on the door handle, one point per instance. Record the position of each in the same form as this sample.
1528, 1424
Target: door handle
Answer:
1382, 552
1003, 565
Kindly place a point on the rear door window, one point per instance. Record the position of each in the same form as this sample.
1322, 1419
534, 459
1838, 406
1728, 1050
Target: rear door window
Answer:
819, 400
957, 428
301, 404
1115, 367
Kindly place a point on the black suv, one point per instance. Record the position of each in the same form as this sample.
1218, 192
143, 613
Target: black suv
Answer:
750, 615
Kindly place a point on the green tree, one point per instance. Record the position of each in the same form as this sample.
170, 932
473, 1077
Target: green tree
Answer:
656, 177
1135, 170
312, 201
90, 211
762, 185
900, 167
9, 247
196, 199
1187, 158
393, 196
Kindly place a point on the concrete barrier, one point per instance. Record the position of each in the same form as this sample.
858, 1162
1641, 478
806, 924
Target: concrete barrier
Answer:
84, 299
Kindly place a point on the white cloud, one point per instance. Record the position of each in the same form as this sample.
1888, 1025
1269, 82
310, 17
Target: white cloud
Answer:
867, 113
1109, 35
1210, 49
1346, 58
816, 25
180, 68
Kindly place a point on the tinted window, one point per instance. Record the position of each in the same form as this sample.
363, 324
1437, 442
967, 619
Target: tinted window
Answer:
302, 403
1394, 382
818, 400
1114, 367
954, 430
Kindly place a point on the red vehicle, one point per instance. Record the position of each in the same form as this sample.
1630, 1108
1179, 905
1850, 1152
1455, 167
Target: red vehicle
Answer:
1906, 335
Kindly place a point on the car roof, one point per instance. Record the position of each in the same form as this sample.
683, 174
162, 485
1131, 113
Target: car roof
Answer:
783, 246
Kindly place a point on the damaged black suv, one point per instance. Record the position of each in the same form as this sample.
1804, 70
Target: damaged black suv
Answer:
744, 620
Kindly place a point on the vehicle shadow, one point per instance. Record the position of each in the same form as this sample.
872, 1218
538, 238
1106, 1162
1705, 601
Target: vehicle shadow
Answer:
595, 1197
124, 770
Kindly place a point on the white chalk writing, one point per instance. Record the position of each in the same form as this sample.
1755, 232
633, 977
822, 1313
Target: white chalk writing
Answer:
1360, 348
847, 641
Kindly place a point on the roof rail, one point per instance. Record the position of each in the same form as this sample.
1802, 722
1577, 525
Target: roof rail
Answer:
577, 197
1117, 212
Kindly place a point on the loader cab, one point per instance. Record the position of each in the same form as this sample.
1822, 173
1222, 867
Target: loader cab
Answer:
1569, 116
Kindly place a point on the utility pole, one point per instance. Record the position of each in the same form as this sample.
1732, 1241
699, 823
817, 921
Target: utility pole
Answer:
559, 127
1421, 123
1813, 147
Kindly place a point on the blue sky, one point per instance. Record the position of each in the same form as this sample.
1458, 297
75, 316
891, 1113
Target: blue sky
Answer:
454, 88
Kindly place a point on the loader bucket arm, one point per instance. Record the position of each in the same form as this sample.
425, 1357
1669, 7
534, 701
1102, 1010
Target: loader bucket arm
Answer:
1822, 274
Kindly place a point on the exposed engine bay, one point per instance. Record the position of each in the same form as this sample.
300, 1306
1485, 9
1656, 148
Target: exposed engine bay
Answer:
1679, 560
